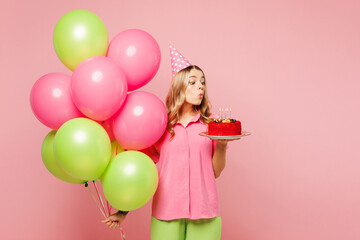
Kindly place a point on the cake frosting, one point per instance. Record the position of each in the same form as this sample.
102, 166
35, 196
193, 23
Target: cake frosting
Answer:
224, 127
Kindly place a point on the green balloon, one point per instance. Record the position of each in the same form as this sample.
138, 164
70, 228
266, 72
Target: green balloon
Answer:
116, 148
130, 180
48, 157
82, 148
78, 35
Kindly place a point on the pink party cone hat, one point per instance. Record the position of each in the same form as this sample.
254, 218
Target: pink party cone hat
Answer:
178, 61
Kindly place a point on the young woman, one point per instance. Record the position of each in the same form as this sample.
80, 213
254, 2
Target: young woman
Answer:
185, 205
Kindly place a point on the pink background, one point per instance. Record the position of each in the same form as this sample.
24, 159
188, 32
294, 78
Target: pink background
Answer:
288, 69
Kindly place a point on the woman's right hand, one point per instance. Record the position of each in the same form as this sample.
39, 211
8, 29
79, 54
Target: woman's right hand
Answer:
115, 220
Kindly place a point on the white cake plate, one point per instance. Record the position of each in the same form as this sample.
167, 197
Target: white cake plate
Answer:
232, 137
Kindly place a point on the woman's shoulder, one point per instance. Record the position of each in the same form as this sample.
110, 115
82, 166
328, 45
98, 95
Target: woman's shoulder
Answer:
210, 117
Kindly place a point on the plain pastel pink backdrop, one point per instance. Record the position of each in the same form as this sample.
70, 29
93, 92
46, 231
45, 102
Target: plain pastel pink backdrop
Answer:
288, 69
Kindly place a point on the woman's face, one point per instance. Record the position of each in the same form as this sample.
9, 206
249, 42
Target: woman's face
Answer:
195, 89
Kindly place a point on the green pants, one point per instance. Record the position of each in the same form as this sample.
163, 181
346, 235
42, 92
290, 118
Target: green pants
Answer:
181, 229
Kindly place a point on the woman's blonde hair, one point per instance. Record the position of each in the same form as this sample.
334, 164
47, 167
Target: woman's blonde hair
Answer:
176, 98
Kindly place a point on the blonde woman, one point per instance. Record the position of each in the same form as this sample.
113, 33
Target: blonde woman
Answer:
185, 205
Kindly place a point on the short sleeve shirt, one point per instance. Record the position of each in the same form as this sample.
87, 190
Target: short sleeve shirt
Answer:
187, 187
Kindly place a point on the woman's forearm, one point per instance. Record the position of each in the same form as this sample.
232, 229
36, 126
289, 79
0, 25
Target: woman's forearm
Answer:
219, 158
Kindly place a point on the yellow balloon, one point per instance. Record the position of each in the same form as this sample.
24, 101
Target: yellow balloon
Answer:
116, 148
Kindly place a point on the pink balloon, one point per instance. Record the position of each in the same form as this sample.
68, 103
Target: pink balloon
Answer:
138, 55
107, 125
98, 88
51, 102
141, 121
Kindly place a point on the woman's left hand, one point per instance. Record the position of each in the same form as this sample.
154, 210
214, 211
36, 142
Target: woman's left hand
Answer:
224, 142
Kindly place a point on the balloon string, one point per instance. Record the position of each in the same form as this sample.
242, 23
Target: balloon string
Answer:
122, 234
108, 207
100, 198
96, 202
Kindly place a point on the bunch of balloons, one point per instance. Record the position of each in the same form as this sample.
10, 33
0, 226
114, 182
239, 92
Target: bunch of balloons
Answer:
97, 126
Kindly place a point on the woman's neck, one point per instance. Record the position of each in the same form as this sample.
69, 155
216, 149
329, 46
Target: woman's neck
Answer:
186, 114
188, 110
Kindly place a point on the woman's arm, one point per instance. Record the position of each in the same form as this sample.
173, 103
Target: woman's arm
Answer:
219, 158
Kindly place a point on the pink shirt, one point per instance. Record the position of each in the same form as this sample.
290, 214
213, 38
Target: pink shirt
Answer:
187, 186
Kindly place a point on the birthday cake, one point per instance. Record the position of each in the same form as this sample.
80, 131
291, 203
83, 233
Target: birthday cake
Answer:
224, 126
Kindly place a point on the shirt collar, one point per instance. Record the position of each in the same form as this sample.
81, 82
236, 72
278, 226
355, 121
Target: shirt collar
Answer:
194, 119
